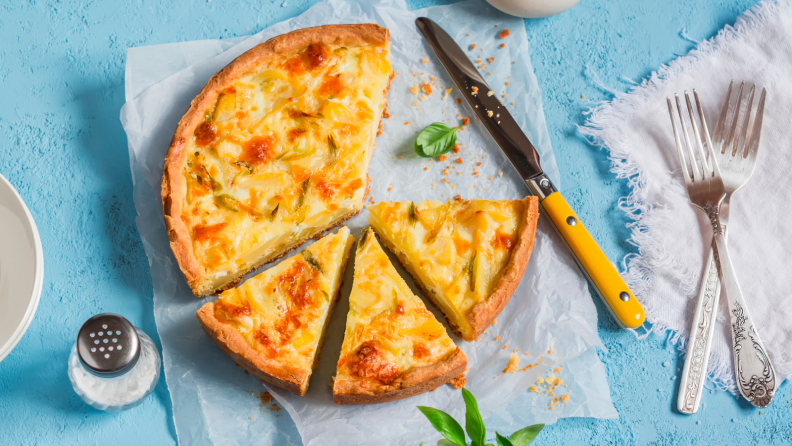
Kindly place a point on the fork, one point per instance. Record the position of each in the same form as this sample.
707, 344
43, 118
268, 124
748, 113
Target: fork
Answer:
735, 175
708, 188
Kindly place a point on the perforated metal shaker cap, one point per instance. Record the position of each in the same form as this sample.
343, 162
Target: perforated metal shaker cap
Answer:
108, 345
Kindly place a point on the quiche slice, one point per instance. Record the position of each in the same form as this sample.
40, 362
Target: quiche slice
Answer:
393, 348
274, 150
468, 256
273, 325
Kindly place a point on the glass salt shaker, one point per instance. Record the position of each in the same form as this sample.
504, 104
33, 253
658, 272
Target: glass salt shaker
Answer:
113, 366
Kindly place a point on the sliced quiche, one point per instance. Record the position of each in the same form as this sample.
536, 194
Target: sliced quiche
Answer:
393, 348
468, 256
274, 150
273, 325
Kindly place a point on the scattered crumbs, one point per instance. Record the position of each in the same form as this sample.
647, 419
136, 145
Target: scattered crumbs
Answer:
582, 96
495, 322
414, 89
458, 382
478, 163
456, 149
389, 189
489, 113
507, 83
512, 103
504, 33
424, 60
459, 161
472, 45
398, 157
406, 122
426, 88
457, 197
475, 90
481, 66
490, 93
442, 158
505, 346
416, 103
502, 45
465, 121
490, 59
423, 97
458, 100
513, 365
426, 168
496, 338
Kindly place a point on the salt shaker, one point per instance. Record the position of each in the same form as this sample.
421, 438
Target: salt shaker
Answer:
113, 366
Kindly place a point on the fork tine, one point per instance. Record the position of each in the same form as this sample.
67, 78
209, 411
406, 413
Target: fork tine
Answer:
753, 143
733, 125
693, 165
717, 136
681, 153
740, 136
707, 169
710, 147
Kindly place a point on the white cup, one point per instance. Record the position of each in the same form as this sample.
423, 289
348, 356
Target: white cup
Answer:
532, 9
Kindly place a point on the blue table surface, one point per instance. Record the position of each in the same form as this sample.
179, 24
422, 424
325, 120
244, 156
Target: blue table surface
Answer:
63, 148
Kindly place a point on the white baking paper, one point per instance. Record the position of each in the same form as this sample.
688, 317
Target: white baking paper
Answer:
551, 314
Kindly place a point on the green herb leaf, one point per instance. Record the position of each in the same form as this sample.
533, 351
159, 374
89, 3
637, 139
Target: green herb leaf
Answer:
526, 435
471, 269
444, 442
364, 234
412, 214
333, 147
274, 212
503, 441
445, 424
227, 202
435, 140
304, 190
474, 425
312, 260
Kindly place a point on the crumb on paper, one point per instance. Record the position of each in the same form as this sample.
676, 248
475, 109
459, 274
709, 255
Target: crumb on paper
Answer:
414, 89
513, 365
490, 59
475, 90
465, 121
502, 45
406, 122
459, 160
423, 97
442, 158
497, 338
426, 88
459, 381
456, 149
505, 346
472, 45
424, 60
458, 100
504, 33
457, 197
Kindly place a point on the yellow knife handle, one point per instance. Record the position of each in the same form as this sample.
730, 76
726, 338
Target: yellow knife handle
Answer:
601, 273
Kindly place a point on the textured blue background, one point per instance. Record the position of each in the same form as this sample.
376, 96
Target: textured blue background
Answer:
62, 146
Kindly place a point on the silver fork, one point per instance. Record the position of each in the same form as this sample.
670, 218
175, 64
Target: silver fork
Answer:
708, 188
735, 175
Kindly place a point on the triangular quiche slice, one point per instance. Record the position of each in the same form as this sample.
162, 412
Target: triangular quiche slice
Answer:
274, 324
274, 150
468, 256
393, 348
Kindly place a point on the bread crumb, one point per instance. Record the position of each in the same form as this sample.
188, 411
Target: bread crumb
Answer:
502, 45
427, 88
465, 121
407, 123
472, 45
442, 158
497, 338
514, 363
490, 59
458, 382
475, 90
459, 100
490, 93
503, 34
459, 160
424, 60
414, 89
455, 148
489, 113
505, 346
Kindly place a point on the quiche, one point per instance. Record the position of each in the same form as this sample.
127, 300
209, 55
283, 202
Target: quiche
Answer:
467, 256
274, 150
393, 348
273, 325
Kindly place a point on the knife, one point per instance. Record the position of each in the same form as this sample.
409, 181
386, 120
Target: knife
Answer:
602, 275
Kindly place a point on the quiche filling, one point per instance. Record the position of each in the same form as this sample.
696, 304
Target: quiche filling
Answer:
389, 331
282, 313
282, 155
457, 251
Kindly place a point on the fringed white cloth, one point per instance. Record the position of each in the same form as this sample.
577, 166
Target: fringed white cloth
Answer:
670, 234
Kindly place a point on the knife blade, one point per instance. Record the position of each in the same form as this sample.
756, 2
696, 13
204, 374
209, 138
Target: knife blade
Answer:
508, 135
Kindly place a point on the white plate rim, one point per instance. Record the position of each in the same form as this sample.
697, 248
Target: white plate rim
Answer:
38, 281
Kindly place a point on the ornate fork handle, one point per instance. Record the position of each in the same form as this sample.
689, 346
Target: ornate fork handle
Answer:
756, 378
695, 371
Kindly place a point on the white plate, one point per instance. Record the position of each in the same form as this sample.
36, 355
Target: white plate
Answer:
21, 268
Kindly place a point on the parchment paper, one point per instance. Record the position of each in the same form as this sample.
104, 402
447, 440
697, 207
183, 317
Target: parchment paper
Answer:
550, 315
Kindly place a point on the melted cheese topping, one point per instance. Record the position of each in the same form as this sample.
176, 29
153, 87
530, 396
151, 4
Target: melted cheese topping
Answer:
458, 250
283, 153
389, 331
282, 312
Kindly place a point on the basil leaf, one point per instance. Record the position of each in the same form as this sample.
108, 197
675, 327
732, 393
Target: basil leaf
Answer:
445, 424
435, 140
526, 435
445, 442
474, 425
503, 441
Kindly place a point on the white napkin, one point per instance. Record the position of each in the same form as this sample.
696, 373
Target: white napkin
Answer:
670, 234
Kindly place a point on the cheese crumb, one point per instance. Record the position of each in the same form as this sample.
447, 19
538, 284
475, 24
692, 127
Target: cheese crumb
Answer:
424, 60
514, 363
503, 34
489, 113
490, 93
414, 89
472, 45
